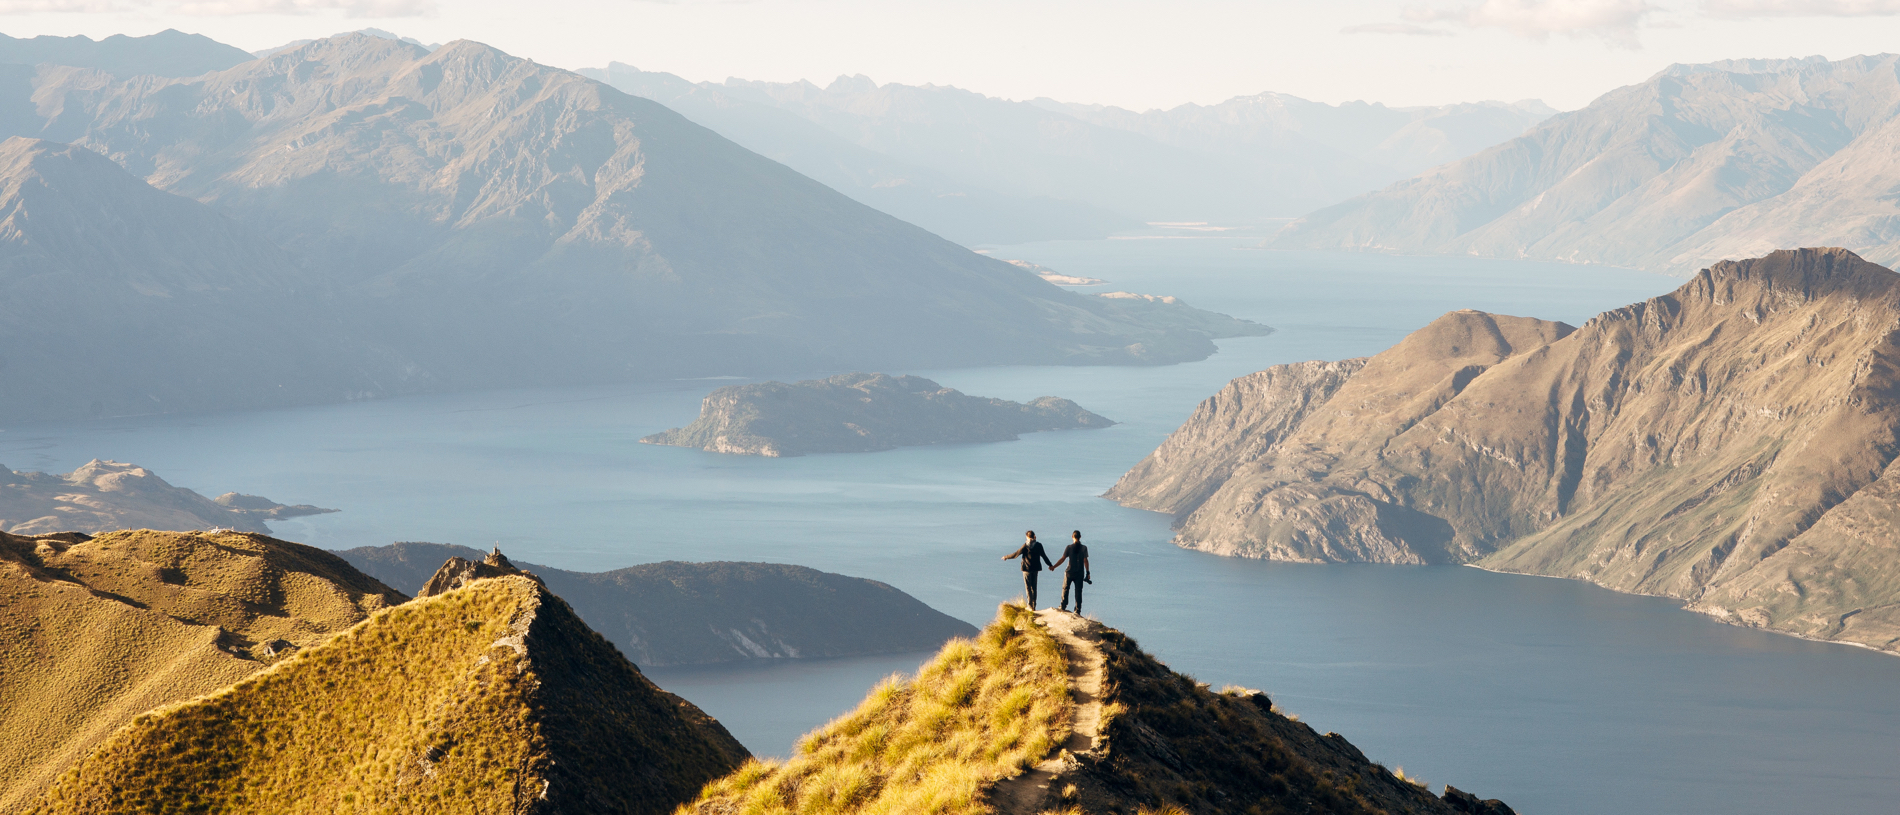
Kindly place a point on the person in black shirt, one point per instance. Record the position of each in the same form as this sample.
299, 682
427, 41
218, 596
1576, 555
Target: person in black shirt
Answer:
1033, 558
1077, 556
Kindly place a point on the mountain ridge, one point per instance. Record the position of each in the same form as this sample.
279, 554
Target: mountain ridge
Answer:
1731, 444
1697, 164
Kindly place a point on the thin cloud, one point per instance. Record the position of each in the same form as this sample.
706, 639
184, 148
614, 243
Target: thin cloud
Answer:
350, 8
1614, 21
1411, 29
59, 6
1744, 9
224, 8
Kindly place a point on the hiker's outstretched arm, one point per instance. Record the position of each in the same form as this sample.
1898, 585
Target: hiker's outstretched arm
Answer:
1052, 566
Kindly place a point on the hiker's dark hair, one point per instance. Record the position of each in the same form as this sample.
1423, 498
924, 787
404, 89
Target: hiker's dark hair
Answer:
1031, 533
1078, 534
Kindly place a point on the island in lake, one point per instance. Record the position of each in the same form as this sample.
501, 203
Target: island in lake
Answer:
861, 413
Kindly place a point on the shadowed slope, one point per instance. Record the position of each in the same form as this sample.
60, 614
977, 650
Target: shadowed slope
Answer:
494, 697
1731, 444
676, 613
182, 308
94, 631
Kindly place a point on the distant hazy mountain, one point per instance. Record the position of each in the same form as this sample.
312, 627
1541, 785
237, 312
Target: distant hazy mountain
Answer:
941, 202
981, 169
117, 298
1700, 163
1396, 142
167, 53
404, 220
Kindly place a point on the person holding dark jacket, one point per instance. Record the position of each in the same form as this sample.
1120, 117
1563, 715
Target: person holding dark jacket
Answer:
1033, 559
1077, 556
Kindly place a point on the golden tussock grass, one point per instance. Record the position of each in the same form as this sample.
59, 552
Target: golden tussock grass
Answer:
412, 710
981, 711
94, 632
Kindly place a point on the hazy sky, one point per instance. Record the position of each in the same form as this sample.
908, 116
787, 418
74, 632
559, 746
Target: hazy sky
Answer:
1133, 54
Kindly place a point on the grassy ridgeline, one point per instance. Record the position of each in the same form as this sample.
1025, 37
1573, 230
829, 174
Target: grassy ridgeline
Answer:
490, 698
95, 631
978, 713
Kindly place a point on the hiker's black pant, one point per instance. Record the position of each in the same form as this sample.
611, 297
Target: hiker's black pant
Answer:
1029, 586
1072, 579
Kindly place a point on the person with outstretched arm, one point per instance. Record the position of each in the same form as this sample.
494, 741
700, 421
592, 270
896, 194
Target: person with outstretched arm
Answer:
1033, 558
1077, 556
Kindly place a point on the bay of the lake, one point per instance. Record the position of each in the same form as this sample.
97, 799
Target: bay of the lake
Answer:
1556, 696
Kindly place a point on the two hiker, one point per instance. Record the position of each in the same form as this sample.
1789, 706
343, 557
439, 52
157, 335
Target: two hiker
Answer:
1033, 557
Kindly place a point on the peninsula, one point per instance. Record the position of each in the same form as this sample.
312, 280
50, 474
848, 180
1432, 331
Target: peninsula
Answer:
862, 413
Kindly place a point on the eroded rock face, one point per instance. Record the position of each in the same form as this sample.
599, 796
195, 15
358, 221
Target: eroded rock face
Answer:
1730, 444
860, 413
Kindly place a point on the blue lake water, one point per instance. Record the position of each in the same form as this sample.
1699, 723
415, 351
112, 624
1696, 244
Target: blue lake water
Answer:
1556, 696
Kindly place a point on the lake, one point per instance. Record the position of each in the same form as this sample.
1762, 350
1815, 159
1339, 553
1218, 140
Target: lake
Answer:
1556, 696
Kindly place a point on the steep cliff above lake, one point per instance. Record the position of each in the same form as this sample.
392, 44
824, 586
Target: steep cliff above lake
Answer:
1731, 444
861, 413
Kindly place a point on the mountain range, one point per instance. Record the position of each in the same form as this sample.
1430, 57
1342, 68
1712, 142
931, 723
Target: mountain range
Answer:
1734, 444
979, 169
1700, 163
360, 216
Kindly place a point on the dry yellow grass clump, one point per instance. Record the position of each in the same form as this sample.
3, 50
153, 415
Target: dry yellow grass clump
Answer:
490, 698
95, 631
981, 711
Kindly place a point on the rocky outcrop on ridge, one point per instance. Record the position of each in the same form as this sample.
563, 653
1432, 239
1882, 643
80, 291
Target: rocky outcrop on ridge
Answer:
862, 413
103, 496
1732, 444
674, 613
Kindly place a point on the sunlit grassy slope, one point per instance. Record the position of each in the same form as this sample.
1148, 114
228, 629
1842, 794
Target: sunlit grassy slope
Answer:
95, 631
985, 709
489, 698
979, 712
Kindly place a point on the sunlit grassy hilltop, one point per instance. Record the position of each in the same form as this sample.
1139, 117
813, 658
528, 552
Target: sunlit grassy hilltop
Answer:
963, 736
489, 698
94, 631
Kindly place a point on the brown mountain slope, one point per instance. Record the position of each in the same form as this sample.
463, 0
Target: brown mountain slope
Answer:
489, 698
94, 631
1730, 444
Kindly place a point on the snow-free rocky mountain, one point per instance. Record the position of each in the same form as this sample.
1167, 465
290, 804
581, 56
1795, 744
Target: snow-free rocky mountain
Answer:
1734, 444
1699, 163
979, 169
360, 216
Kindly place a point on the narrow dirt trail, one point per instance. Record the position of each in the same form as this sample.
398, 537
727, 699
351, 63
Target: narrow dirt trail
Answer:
1029, 793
